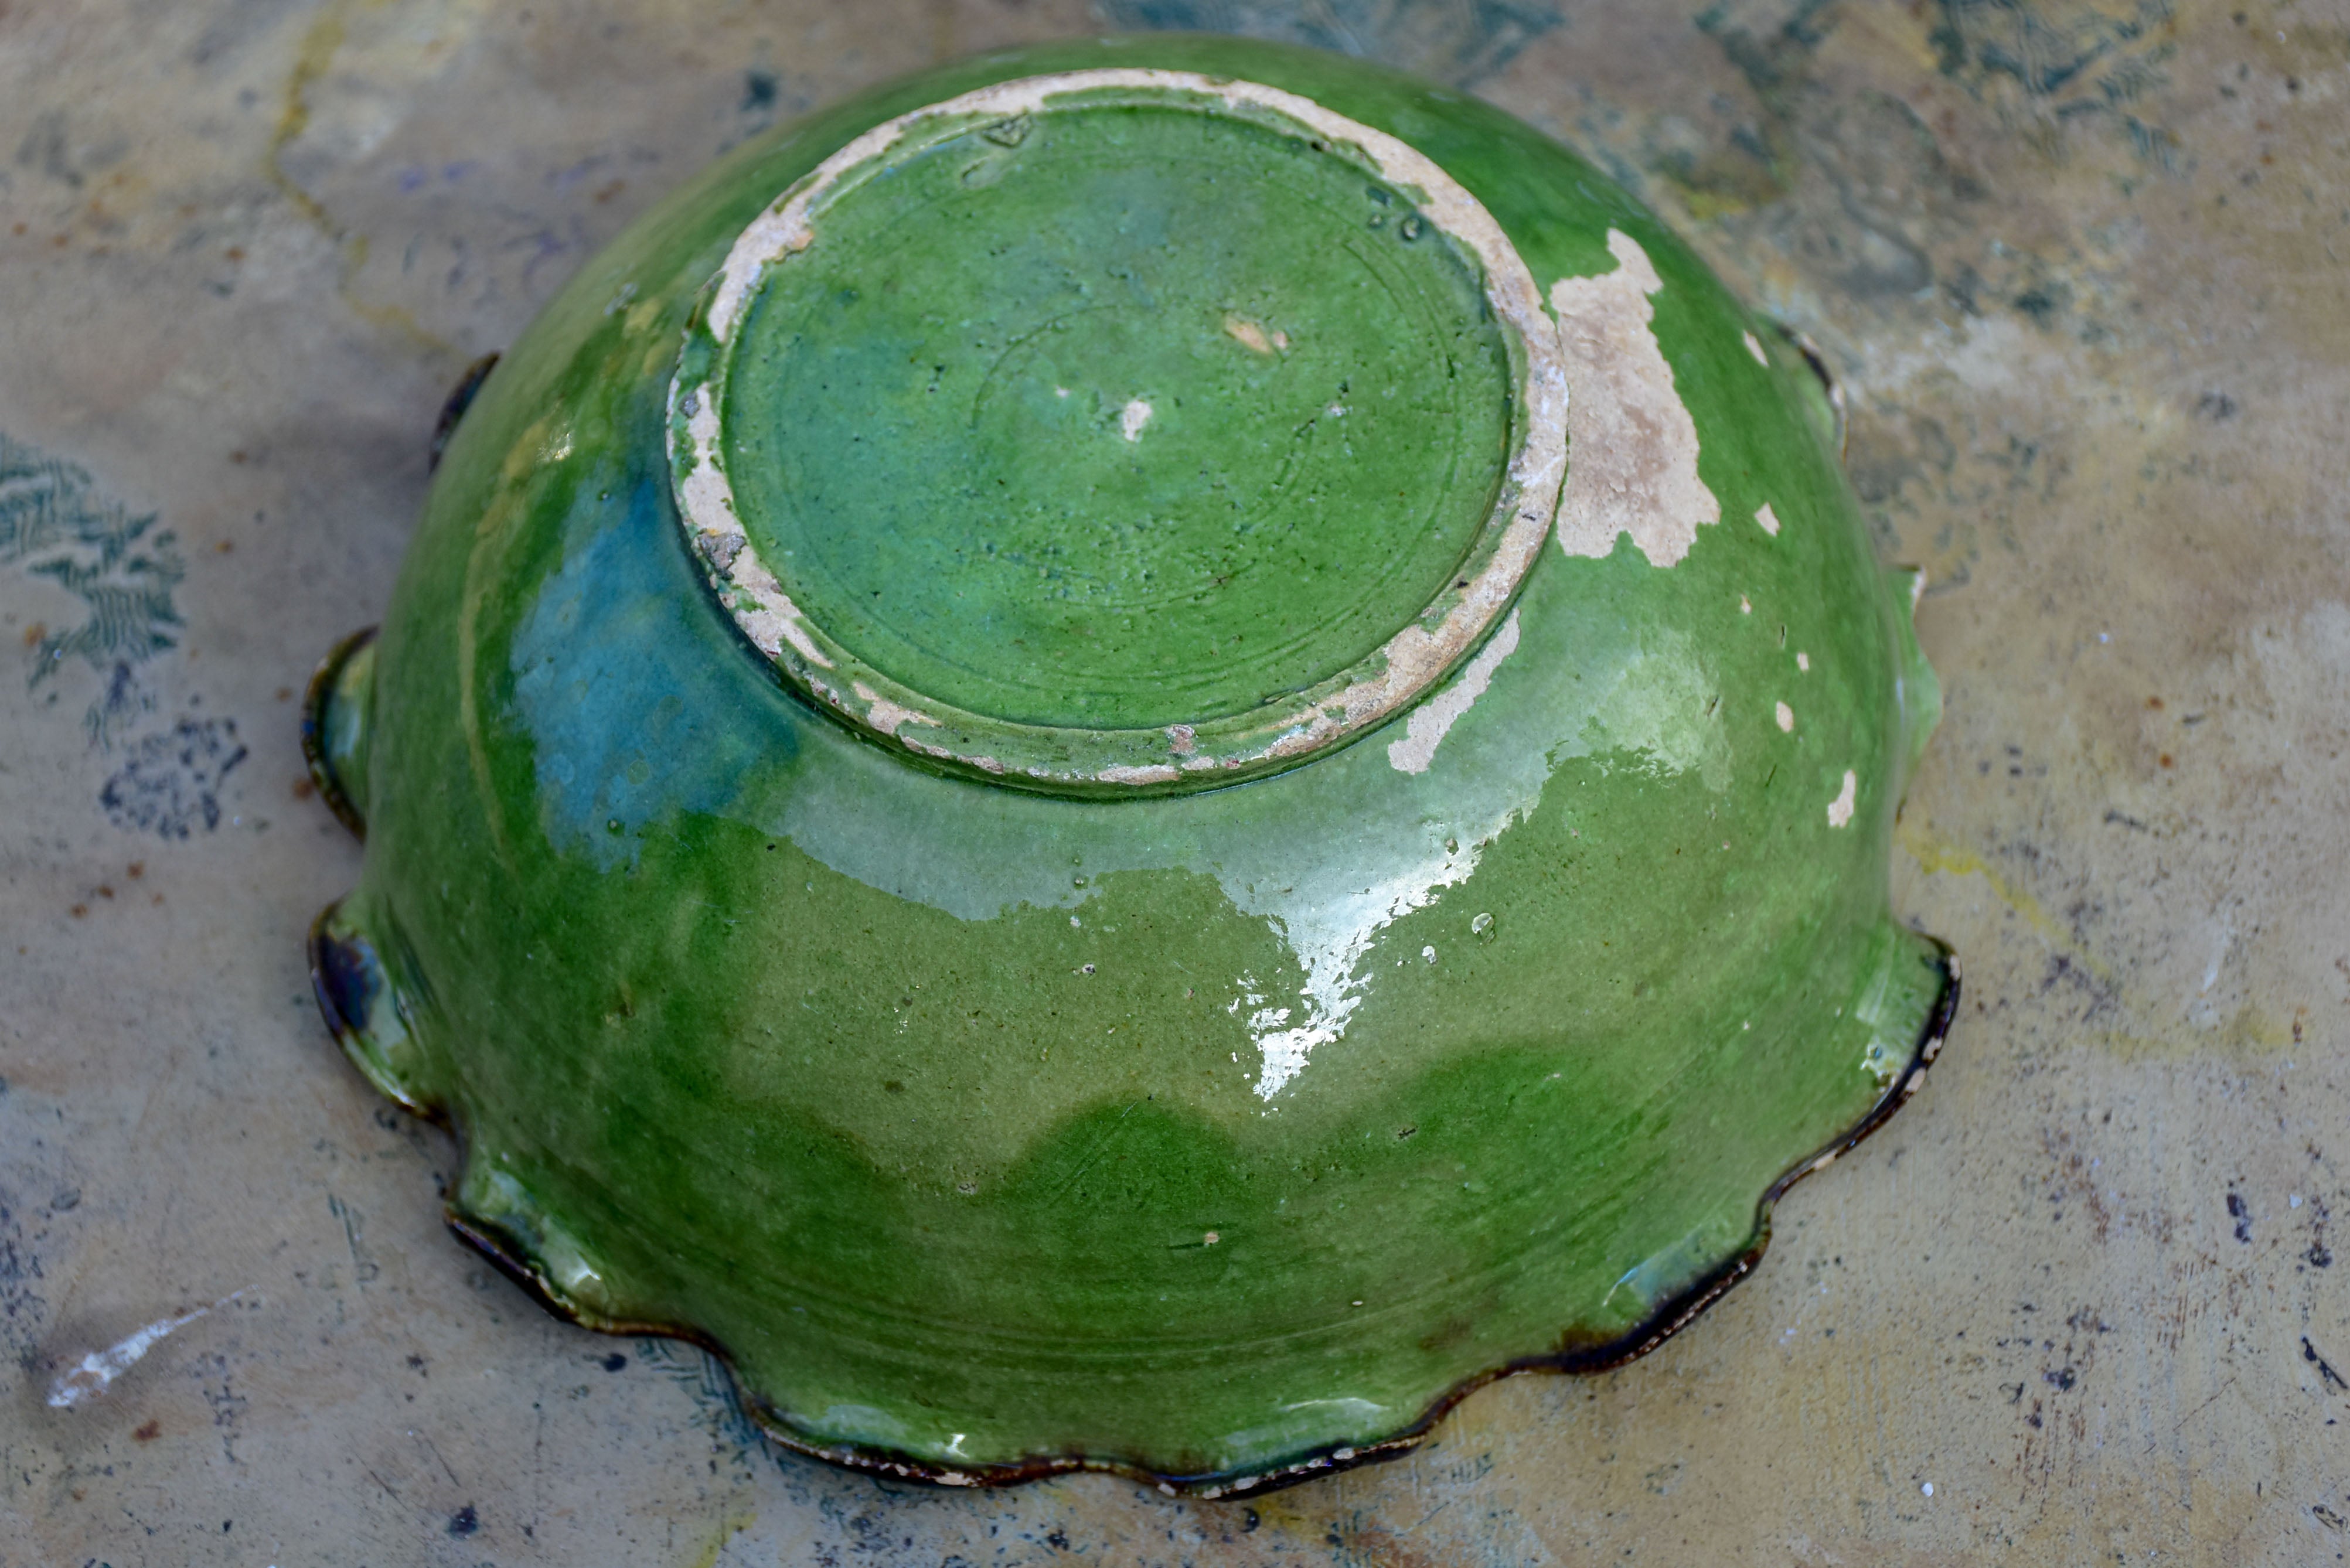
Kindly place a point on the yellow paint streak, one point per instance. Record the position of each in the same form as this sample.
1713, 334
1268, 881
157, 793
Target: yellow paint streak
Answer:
316, 52
733, 1524
1957, 861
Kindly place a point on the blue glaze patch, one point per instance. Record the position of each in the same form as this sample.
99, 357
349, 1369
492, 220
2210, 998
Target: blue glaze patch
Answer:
631, 703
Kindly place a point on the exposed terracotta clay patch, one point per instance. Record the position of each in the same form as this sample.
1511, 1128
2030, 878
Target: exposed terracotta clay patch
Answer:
1253, 338
1631, 444
1432, 720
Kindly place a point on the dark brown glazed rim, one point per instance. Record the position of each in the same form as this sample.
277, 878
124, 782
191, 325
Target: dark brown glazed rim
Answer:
333, 972
330, 970
314, 732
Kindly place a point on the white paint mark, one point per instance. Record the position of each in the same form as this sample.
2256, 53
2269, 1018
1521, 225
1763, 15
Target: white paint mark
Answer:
97, 1370
1635, 465
1786, 718
1804, 662
1132, 418
1840, 808
1433, 720
1756, 349
1769, 519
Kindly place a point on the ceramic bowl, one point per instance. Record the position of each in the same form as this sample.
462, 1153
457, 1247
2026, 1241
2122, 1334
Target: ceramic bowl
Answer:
1135, 756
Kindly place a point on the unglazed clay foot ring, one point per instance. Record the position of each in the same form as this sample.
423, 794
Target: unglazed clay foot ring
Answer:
940, 465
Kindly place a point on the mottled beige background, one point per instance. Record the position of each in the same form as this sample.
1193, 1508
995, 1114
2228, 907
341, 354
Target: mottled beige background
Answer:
2081, 264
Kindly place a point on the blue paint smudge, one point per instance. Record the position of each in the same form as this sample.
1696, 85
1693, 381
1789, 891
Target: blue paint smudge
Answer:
54, 524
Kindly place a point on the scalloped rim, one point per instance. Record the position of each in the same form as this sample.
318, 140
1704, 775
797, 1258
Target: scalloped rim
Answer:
513, 1261
314, 698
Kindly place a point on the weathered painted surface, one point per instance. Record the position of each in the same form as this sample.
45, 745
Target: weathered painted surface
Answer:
2077, 266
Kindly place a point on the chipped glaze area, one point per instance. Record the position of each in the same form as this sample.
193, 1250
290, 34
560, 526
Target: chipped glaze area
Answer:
1840, 809
1220, 748
1217, 1137
1634, 469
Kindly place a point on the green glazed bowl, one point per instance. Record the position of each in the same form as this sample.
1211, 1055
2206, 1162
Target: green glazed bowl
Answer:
1137, 756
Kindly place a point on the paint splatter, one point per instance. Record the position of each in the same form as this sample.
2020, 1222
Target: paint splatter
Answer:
171, 783
2049, 70
22, 1305
54, 524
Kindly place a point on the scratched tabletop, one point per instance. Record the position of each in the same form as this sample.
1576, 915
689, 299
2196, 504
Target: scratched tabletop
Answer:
2080, 266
